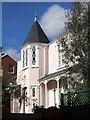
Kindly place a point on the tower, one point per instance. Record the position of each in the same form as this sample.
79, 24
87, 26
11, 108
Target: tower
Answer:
33, 65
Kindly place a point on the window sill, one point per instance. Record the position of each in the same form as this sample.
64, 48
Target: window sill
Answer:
24, 68
34, 66
61, 67
11, 72
34, 99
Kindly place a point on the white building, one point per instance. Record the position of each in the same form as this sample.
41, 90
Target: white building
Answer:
41, 71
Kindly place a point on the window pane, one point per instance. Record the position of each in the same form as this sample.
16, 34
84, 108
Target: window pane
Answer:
33, 52
10, 68
33, 92
26, 58
33, 49
23, 58
33, 55
61, 56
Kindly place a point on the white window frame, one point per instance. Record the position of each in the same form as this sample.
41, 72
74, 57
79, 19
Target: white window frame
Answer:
60, 55
33, 92
33, 87
33, 65
12, 69
25, 58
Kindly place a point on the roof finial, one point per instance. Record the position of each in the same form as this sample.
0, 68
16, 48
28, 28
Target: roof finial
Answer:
35, 19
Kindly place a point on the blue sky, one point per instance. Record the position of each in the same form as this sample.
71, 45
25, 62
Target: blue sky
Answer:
18, 17
0, 23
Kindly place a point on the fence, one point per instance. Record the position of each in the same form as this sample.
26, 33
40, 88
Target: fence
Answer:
75, 99
79, 103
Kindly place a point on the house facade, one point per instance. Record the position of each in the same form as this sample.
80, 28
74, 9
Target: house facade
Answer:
41, 71
9, 66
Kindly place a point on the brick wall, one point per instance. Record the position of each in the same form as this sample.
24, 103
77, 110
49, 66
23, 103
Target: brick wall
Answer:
6, 60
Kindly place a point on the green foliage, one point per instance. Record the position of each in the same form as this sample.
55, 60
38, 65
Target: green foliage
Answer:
76, 40
5, 94
9, 89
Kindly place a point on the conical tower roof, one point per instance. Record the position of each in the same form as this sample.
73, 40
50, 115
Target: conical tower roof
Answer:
36, 34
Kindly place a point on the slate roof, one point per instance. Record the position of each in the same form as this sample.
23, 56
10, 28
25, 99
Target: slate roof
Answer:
36, 34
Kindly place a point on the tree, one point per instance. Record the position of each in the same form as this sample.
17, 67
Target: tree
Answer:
9, 89
77, 43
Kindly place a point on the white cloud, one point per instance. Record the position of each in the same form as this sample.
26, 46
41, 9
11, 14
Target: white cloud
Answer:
53, 21
13, 53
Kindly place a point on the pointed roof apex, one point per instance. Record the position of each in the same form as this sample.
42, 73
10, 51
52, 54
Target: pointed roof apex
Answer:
35, 19
36, 34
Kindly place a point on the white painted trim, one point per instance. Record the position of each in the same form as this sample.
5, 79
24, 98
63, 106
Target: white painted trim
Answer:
9, 56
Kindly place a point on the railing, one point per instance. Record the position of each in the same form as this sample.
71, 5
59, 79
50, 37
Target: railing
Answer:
75, 99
